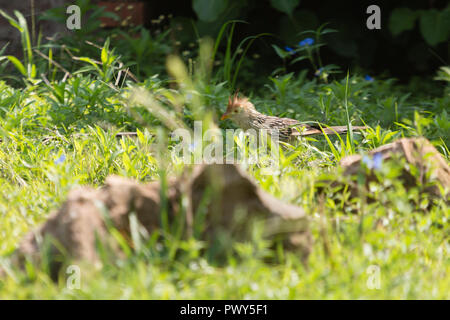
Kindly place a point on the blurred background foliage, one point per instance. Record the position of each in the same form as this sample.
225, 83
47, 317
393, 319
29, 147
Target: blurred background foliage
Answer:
413, 40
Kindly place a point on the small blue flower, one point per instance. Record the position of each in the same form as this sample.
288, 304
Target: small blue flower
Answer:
368, 78
61, 159
375, 162
288, 49
367, 161
318, 72
306, 42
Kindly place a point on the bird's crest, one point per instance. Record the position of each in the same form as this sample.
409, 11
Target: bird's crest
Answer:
235, 101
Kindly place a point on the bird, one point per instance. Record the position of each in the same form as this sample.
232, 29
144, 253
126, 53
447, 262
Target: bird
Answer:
244, 114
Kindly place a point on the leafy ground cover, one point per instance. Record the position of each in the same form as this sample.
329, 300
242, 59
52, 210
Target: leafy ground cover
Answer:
58, 131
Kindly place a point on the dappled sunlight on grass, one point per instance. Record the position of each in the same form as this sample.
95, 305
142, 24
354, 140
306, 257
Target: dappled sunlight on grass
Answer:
62, 133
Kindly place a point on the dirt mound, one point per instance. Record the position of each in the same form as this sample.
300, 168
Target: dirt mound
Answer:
419, 156
227, 197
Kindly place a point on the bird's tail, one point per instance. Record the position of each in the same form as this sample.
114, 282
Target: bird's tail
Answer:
330, 130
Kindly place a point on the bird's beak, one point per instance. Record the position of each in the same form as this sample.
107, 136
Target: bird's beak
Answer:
225, 116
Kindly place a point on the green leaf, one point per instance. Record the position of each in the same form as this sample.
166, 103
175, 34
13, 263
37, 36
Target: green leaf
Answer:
91, 62
435, 26
280, 52
16, 62
104, 55
286, 6
328, 30
402, 19
388, 136
26, 41
11, 20
209, 10
443, 74
299, 59
336, 154
32, 72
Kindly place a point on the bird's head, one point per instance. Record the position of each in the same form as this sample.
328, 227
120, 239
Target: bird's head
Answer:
238, 108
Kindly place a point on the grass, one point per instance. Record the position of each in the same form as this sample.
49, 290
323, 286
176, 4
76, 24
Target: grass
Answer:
78, 117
